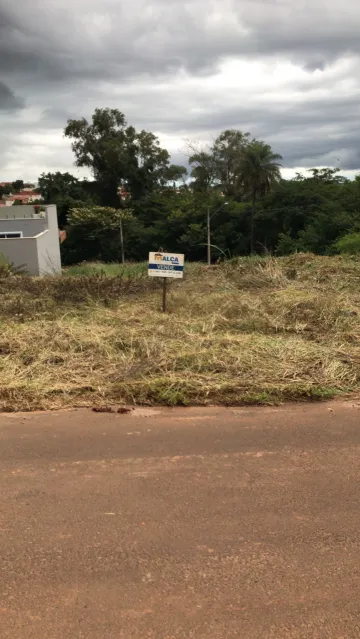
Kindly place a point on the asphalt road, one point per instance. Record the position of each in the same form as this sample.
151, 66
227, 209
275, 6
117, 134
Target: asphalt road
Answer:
185, 523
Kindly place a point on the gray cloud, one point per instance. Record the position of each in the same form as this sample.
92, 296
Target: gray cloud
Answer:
8, 100
65, 57
115, 37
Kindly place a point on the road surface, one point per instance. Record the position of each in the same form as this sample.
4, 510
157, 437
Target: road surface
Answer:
213, 523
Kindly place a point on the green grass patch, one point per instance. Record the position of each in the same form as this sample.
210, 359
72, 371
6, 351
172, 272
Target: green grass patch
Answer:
109, 270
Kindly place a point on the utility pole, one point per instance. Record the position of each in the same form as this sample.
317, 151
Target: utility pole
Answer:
208, 237
209, 218
122, 242
123, 195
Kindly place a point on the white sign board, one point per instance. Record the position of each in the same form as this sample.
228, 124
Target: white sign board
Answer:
166, 265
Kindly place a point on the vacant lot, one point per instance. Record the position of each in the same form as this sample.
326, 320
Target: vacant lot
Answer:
252, 331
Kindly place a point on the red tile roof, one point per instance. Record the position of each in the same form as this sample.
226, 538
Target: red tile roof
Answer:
17, 196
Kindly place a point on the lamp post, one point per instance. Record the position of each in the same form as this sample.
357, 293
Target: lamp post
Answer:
122, 242
123, 195
209, 218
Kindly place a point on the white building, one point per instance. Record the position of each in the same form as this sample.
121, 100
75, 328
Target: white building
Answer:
31, 239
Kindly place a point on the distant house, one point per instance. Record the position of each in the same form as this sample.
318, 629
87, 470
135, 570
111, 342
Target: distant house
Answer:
26, 197
123, 193
29, 237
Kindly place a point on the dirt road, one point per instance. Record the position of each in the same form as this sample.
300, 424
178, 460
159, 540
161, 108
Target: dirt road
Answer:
185, 523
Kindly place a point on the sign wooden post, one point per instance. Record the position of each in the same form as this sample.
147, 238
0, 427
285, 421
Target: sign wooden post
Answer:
164, 295
166, 265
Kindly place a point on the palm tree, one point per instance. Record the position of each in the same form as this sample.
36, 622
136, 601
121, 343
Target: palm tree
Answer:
259, 172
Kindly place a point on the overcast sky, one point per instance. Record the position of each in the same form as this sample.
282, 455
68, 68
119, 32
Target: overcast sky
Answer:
288, 71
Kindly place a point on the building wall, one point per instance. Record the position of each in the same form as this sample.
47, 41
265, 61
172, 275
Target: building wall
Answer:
18, 211
52, 253
29, 227
48, 261
39, 249
22, 252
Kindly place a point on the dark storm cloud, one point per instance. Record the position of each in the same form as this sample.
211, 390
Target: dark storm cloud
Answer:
63, 39
8, 100
65, 57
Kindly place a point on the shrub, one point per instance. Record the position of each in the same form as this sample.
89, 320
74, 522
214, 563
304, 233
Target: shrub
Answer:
349, 243
8, 269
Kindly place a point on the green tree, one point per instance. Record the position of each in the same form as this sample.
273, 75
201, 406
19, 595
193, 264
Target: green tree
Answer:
17, 185
175, 174
98, 218
312, 211
203, 170
328, 176
349, 243
54, 185
118, 155
229, 149
66, 191
95, 233
286, 244
259, 172
220, 165
5, 190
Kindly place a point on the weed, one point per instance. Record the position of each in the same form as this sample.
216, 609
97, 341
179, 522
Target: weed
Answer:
243, 333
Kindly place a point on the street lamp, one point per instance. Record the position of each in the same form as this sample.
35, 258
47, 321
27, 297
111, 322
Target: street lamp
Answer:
209, 218
123, 195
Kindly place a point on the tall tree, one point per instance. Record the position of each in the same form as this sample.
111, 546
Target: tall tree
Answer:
327, 176
175, 174
259, 172
219, 166
17, 185
118, 155
66, 191
53, 185
229, 149
203, 169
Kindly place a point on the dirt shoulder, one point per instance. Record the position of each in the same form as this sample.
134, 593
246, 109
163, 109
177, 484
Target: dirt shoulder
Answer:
211, 523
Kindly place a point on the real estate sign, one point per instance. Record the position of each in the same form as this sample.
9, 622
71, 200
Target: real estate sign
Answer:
166, 265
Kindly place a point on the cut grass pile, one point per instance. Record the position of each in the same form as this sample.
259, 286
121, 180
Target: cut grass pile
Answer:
250, 331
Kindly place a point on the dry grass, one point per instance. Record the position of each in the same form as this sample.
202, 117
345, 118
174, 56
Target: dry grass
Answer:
253, 331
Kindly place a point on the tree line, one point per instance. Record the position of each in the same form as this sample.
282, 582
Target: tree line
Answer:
136, 190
